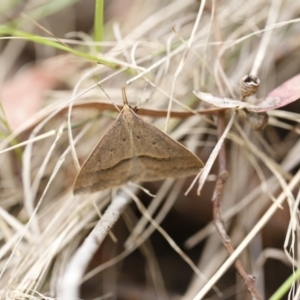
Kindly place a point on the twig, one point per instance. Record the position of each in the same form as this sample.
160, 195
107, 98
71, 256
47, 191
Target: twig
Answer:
294, 183
217, 214
70, 283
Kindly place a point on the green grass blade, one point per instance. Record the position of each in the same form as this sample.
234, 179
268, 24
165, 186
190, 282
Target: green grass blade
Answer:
98, 22
5, 30
285, 287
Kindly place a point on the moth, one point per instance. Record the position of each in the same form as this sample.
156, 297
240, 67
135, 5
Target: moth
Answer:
134, 150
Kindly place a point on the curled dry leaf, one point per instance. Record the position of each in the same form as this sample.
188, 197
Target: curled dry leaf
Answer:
261, 105
288, 92
285, 94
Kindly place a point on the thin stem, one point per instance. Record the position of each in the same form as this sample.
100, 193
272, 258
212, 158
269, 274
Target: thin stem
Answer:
217, 214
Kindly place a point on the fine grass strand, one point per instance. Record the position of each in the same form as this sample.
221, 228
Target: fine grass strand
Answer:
5, 30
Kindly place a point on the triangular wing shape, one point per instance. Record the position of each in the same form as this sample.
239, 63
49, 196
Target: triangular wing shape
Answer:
97, 172
160, 155
134, 150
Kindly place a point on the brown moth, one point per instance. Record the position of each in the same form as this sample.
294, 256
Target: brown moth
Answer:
134, 150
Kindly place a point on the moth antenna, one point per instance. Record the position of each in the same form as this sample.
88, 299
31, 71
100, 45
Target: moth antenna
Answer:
125, 101
113, 102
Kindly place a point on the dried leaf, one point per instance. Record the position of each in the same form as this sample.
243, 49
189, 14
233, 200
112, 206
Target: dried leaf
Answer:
263, 104
285, 94
288, 92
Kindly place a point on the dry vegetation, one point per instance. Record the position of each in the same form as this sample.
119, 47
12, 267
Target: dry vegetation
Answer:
165, 50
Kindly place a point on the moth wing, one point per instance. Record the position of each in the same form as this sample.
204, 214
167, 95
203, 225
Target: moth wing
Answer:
109, 163
160, 155
99, 180
134, 150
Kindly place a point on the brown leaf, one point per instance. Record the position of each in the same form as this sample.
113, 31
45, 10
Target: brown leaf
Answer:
288, 92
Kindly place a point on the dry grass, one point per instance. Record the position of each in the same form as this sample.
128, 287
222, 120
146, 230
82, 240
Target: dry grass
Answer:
165, 50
